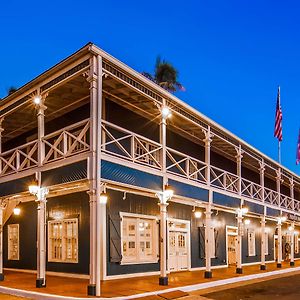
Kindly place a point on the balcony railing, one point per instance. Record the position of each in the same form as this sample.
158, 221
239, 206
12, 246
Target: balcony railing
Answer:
125, 144
19, 159
67, 142
120, 143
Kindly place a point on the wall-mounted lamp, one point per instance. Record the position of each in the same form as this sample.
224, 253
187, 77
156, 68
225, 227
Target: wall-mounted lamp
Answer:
103, 198
197, 212
17, 211
247, 221
281, 219
242, 211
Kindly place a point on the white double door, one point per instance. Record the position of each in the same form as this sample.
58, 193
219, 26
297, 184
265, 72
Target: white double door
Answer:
178, 250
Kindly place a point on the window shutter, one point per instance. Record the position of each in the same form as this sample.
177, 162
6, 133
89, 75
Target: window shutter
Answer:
114, 239
202, 241
216, 242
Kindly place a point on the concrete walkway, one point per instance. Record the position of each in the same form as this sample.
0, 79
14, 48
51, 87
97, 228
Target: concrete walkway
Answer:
23, 284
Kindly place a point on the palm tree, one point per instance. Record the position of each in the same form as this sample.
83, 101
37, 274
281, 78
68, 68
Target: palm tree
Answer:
165, 75
11, 90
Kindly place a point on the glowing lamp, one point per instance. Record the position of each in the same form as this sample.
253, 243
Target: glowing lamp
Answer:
166, 113
33, 189
103, 198
37, 100
197, 214
247, 222
17, 211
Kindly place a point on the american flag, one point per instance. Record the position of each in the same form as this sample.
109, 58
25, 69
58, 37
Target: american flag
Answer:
298, 150
278, 118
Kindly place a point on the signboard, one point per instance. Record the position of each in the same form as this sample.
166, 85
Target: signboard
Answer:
293, 217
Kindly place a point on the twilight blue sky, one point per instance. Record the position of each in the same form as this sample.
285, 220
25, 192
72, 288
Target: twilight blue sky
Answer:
231, 55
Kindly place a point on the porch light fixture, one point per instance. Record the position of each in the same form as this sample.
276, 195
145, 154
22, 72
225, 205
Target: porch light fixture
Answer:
168, 192
17, 211
103, 198
197, 213
242, 211
291, 228
281, 219
37, 100
38, 192
247, 221
165, 112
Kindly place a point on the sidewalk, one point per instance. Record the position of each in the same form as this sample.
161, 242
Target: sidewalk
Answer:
73, 287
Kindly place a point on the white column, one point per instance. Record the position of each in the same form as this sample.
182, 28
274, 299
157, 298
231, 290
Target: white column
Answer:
41, 200
262, 180
278, 185
208, 240
41, 243
279, 236
239, 217
163, 279
239, 157
2, 207
97, 212
1, 134
292, 184
263, 243
207, 141
292, 261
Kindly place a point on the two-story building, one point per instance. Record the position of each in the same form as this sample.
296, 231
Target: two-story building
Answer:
105, 174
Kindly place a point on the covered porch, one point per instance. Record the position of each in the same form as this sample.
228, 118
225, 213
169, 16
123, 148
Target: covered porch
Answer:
75, 287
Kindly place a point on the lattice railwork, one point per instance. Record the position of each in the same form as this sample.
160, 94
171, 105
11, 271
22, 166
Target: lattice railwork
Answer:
66, 142
271, 197
286, 202
251, 190
224, 180
185, 166
19, 159
125, 144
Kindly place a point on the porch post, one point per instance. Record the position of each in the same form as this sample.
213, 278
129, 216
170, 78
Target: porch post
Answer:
262, 180
207, 141
279, 239
278, 185
292, 184
2, 207
163, 279
239, 157
239, 269
292, 261
263, 243
208, 240
94, 166
1, 133
41, 197
41, 240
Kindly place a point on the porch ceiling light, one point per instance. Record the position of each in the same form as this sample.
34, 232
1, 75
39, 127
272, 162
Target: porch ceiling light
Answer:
197, 214
39, 192
291, 228
165, 112
33, 189
168, 192
103, 198
17, 211
281, 219
37, 100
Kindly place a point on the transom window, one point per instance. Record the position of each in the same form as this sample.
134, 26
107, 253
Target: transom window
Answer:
13, 241
63, 240
139, 238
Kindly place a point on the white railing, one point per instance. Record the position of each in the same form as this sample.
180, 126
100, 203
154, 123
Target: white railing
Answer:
185, 166
271, 197
66, 142
224, 180
19, 159
125, 144
251, 190
121, 143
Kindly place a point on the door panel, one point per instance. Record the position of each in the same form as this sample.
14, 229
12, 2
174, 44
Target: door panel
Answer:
178, 251
231, 239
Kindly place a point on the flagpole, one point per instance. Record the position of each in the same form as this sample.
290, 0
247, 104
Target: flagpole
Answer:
279, 152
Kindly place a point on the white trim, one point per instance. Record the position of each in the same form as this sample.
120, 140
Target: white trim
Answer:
131, 275
52, 273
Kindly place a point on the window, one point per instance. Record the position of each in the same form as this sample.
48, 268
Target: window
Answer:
63, 240
266, 243
13, 241
139, 239
251, 242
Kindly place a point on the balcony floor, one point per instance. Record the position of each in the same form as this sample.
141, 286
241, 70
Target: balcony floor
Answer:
73, 287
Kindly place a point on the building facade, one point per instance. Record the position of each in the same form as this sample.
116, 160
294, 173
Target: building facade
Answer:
127, 180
